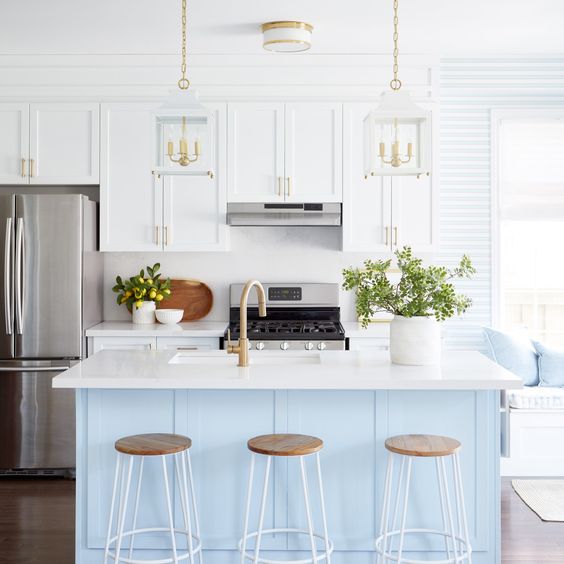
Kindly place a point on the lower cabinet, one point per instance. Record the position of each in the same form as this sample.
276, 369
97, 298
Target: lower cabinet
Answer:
353, 425
96, 344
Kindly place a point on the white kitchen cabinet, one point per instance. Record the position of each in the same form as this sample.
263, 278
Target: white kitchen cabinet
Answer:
64, 145
381, 214
187, 344
284, 152
49, 143
14, 143
194, 207
255, 152
313, 164
96, 344
128, 206
141, 211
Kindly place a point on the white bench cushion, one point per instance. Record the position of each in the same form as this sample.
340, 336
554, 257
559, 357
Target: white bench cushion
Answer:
536, 398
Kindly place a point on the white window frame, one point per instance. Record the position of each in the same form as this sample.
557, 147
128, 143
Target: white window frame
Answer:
497, 116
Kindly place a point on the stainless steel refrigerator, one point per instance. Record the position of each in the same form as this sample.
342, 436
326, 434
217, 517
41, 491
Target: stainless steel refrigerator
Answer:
50, 293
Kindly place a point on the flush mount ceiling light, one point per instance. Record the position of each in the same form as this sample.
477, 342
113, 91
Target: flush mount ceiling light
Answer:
287, 36
397, 134
184, 127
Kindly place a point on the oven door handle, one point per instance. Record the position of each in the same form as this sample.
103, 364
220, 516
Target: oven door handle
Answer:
33, 368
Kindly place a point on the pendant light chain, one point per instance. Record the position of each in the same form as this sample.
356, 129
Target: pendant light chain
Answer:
395, 83
184, 83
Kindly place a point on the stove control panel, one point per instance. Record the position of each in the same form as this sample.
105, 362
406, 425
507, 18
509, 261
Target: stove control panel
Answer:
284, 294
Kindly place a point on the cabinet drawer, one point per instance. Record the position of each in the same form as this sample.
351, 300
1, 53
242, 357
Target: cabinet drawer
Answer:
188, 343
96, 344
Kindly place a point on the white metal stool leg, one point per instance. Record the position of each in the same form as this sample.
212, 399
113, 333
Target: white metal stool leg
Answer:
188, 460
308, 510
247, 509
184, 501
461, 505
386, 507
404, 513
123, 506
262, 509
323, 513
112, 508
136, 508
169, 509
442, 500
452, 531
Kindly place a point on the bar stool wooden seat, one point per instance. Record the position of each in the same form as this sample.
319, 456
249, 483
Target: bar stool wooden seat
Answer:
279, 446
456, 539
134, 450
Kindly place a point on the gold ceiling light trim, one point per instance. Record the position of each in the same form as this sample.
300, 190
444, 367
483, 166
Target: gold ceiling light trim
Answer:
287, 25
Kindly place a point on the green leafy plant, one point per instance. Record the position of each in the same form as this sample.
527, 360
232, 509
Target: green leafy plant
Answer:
141, 288
421, 291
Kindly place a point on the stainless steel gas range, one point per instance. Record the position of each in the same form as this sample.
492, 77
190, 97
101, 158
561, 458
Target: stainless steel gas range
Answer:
298, 317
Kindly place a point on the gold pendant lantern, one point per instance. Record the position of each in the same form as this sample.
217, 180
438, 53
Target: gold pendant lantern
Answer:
397, 134
184, 128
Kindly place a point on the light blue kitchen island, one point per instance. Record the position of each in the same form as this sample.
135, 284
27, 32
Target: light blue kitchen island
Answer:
353, 401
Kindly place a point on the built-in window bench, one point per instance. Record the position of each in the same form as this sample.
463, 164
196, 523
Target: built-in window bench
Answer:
533, 432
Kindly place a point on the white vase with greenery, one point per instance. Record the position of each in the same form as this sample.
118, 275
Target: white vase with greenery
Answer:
423, 297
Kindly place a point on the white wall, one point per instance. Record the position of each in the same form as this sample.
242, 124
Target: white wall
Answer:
273, 254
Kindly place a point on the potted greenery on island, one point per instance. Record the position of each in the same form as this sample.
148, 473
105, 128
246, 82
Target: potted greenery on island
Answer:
142, 292
423, 297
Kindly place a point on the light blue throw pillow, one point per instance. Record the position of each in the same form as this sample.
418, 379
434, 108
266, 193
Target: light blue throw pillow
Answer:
551, 366
514, 353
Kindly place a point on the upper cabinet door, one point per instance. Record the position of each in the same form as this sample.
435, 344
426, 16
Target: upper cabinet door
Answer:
14, 143
367, 207
314, 152
129, 220
414, 213
255, 143
64, 143
195, 206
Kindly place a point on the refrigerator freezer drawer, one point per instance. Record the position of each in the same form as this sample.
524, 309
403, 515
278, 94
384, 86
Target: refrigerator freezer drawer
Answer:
37, 423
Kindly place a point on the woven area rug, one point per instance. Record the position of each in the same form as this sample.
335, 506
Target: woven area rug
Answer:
544, 497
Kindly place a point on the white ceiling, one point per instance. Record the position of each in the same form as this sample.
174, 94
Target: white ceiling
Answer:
445, 27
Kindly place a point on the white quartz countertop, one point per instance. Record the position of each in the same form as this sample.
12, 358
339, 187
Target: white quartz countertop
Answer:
186, 329
328, 370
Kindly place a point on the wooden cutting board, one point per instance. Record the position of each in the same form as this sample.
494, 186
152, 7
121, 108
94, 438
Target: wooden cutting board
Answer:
193, 296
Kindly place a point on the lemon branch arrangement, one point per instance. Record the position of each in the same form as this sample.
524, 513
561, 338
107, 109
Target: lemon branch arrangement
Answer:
141, 288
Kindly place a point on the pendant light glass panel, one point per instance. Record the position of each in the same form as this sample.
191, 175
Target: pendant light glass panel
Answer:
397, 137
184, 140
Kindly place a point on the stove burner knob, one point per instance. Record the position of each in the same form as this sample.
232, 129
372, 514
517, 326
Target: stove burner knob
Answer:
250, 345
308, 346
284, 346
260, 346
322, 346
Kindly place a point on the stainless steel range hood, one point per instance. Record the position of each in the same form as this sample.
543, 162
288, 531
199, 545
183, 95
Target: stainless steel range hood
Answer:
295, 215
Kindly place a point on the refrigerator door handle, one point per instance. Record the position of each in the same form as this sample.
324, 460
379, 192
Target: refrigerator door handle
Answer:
7, 277
33, 368
18, 278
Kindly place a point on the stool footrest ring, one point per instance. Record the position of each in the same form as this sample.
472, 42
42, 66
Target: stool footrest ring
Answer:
184, 555
465, 551
320, 555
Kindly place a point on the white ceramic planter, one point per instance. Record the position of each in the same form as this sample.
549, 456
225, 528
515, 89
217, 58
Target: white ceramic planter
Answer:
415, 340
145, 314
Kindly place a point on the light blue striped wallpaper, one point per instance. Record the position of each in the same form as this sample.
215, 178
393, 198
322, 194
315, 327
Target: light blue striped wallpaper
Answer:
469, 90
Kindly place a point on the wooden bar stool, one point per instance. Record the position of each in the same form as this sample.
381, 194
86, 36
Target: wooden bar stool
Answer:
456, 539
135, 449
279, 445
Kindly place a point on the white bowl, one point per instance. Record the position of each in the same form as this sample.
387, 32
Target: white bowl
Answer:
169, 316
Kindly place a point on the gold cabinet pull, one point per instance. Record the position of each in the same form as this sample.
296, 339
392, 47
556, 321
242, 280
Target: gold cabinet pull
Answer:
23, 168
387, 232
31, 168
166, 235
396, 236
157, 234
280, 186
289, 186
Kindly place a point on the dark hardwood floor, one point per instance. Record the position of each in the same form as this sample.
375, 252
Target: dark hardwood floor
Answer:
37, 525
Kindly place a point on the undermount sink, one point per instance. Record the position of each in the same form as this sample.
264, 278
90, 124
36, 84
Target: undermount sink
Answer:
256, 360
